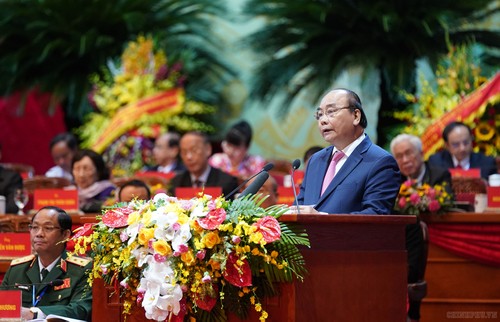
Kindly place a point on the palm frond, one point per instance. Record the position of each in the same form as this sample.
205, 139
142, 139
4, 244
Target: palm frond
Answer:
55, 47
306, 44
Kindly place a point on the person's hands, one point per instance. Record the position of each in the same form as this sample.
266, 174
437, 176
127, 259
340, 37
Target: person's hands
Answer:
26, 314
303, 209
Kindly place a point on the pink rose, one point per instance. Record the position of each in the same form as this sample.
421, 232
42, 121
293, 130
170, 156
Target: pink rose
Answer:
414, 198
434, 206
402, 202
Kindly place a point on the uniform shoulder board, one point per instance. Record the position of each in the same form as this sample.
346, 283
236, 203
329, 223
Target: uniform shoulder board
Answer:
21, 260
80, 261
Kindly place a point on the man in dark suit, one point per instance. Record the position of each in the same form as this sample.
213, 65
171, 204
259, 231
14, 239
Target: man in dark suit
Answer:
195, 149
10, 181
458, 154
166, 154
407, 149
73, 296
365, 177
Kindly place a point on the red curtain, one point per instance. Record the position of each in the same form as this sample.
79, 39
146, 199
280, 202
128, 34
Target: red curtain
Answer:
477, 242
27, 128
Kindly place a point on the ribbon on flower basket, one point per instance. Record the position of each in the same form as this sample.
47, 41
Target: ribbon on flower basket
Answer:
473, 106
163, 104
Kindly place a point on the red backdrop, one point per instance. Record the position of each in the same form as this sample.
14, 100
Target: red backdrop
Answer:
26, 129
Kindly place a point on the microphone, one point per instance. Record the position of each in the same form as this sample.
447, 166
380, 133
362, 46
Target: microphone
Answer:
295, 166
255, 185
266, 168
27, 286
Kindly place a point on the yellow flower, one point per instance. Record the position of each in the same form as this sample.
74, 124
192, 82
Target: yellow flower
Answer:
145, 235
133, 218
211, 239
162, 247
188, 258
256, 238
484, 131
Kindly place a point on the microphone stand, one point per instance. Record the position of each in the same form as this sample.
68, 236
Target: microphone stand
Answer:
266, 168
295, 166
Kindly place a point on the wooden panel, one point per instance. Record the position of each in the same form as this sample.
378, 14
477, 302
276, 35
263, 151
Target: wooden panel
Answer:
460, 289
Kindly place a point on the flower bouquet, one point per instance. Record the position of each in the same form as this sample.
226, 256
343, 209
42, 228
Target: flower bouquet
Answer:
139, 97
414, 199
184, 259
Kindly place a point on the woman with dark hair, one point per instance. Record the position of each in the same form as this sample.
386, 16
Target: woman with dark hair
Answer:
235, 159
92, 180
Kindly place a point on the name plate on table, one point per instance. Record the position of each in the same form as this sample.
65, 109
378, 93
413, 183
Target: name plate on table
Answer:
10, 305
64, 199
285, 196
471, 173
168, 175
493, 197
190, 192
14, 245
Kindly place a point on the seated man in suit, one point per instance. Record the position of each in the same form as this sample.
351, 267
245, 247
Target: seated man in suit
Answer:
458, 154
10, 181
269, 189
195, 149
71, 296
352, 175
407, 149
166, 154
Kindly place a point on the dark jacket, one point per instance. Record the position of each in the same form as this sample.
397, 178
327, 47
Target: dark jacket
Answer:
216, 178
9, 182
487, 164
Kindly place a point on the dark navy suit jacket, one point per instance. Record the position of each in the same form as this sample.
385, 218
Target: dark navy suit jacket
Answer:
477, 160
216, 178
367, 183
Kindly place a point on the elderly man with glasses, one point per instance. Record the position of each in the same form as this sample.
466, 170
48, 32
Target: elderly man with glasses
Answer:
50, 281
352, 175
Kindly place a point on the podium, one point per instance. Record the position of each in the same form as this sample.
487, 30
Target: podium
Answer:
357, 272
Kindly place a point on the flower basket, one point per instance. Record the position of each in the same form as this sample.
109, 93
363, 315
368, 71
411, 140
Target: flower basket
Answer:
201, 258
415, 199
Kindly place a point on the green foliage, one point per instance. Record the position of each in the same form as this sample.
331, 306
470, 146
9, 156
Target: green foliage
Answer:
307, 44
56, 45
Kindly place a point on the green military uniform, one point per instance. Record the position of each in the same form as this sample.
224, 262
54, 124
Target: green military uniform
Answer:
71, 299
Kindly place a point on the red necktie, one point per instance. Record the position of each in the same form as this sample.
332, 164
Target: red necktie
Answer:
330, 173
458, 166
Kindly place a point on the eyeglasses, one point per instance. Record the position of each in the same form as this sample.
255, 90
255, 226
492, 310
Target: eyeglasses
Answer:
330, 112
45, 229
465, 143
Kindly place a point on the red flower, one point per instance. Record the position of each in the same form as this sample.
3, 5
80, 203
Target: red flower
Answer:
236, 274
269, 227
179, 317
207, 303
116, 218
213, 219
402, 202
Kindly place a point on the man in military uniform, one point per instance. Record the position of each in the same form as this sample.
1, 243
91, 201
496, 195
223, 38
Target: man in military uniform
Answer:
51, 282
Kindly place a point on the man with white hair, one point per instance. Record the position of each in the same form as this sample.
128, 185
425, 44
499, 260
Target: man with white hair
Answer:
407, 150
